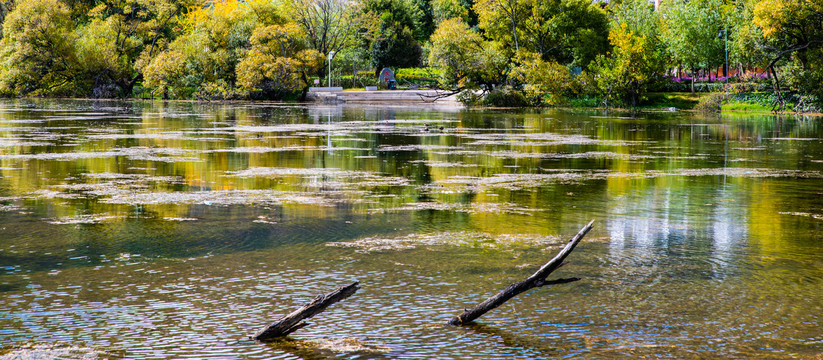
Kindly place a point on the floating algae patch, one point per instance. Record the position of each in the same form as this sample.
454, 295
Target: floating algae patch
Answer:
83, 219
44, 194
281, 171
133, 153
109, 184
730, 172
179, 219
442, 164
522, 181
55, 351
473, 208
140, 177
583, 155
529, 139
748, 173
174, 135
9, 142
7, 204
266, 149
385, 148
461, 238
159, 154
352, 177
284, 128
323, 348
804, 214
347, 345
72, 156
525, 181
226, 198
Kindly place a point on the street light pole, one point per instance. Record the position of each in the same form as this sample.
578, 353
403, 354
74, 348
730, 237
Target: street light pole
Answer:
331, 55
726, 46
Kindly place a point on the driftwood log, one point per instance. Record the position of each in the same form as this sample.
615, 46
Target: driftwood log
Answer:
291, 322
536, 280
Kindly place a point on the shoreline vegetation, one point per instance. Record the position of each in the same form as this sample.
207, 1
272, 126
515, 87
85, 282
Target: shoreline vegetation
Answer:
708, 55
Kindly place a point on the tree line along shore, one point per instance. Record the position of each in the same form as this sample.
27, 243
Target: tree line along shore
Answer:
744, 54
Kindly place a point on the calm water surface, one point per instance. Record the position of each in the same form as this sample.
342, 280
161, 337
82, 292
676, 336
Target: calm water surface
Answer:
176, 230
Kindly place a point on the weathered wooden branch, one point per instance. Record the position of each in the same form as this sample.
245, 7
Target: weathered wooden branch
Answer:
536, 280
291, 322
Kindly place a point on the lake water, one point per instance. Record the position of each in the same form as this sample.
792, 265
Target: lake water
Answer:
177, 230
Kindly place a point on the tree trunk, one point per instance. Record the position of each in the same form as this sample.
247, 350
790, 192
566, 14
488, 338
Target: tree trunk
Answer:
536, 280
780, 101
291, 322
693, 75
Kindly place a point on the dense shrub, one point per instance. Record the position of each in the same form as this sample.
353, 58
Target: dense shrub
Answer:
418, 76
711, 103
505, 97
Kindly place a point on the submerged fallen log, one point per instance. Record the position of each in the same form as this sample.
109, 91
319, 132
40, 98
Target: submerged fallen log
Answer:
536, 280
291, 322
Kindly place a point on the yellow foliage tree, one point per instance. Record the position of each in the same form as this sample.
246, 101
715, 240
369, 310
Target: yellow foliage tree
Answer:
544, 79
278, 62
632, 65
37, 52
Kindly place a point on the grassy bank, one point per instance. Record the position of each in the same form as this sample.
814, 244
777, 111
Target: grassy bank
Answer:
679, 100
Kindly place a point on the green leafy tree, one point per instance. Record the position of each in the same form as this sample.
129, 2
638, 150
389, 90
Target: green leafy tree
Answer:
690, 30
467, 60
570, 32
548, 81
278, 62
443, 10
564, 31
214, 39
121, 38
37, 54
330, 25
793, 28
395, 42
502, 20
5, 8
746, 40
166, 73
625, 74
426, 22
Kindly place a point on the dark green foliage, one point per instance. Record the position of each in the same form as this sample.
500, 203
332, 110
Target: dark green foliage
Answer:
401, 24
396, 49
571, 32
506, 97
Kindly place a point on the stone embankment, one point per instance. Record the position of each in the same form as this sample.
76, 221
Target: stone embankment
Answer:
337, 95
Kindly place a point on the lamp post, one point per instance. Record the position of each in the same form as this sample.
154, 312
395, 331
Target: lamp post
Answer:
331, 55
726, 47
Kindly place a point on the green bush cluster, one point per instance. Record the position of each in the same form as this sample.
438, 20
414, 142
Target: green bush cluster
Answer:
418, 76
712, 102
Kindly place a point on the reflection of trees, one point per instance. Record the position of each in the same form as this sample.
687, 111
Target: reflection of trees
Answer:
188, 147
